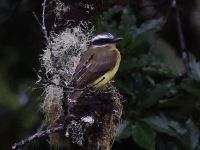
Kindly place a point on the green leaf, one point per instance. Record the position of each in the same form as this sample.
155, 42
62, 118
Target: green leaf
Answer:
187, 135
144, 135
127, 40
193, 134
155, 94
112, 11
125, 84
159, 123
147, 30
164, 125
128, 64
179, 129
154, 65
128, 20
125, 130
153, 24
191, 86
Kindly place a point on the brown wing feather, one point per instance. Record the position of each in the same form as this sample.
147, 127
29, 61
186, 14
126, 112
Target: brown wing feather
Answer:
88, 71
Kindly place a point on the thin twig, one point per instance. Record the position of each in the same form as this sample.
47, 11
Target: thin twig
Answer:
37, 136
46, 36
35, 16
43, 24
63, 86
44, 31
45, 82
184, 51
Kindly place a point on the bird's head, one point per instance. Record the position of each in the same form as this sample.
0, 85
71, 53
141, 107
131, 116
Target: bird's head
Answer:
104, 39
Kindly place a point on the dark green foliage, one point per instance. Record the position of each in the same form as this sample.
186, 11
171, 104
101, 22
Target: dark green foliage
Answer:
20, 42
161, 108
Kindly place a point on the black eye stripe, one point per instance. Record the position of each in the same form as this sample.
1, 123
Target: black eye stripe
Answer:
101, 41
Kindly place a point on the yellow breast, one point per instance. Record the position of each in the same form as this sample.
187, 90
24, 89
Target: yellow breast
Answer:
101, 81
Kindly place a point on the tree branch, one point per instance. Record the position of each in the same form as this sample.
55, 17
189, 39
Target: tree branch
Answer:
37, 136
64, 86
43, 24
184, 51
43, 27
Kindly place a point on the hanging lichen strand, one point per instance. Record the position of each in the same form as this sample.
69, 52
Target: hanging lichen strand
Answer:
91, 122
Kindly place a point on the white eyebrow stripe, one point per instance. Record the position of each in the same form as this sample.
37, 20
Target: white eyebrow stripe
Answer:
103, 36
100, 37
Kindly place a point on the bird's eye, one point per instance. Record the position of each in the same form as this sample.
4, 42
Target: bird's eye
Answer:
103, 40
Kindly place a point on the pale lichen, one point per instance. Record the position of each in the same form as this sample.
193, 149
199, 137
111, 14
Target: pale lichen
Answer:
87, 7
52, 102
65, 49
59, 60
60, 9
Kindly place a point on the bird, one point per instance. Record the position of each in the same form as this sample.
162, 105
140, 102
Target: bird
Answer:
97, 65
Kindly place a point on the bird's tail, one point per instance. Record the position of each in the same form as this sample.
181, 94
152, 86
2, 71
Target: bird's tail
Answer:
73, 97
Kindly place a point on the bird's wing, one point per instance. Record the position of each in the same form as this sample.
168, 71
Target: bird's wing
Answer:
93, 65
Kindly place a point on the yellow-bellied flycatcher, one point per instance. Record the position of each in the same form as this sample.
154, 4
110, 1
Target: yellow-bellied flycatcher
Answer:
98, 64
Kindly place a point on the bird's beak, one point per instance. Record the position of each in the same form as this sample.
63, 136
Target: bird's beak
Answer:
116, 39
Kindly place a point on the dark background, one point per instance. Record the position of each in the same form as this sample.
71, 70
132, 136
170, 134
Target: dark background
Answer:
161, 101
